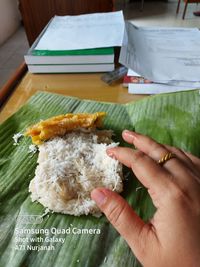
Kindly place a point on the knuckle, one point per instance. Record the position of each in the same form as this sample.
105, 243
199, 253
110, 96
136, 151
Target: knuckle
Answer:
115, 213
157, 148
177, 194
138, 156
182, 199
178, 150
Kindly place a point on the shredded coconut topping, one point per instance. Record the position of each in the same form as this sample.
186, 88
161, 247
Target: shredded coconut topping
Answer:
16, 137
138, 188
32, 149
70, 167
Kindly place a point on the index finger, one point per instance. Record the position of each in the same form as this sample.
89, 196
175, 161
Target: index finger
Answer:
150, 174
176, 165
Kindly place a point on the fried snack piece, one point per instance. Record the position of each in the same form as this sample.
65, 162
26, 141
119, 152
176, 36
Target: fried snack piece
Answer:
60, 125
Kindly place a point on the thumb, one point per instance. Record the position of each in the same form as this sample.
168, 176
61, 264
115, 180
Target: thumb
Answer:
122, 217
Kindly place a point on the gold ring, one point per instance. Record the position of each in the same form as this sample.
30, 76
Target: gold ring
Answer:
166, 157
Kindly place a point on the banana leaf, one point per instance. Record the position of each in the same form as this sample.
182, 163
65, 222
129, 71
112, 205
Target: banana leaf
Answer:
172, 119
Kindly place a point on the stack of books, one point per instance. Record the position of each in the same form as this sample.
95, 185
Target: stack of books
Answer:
85, 60
74, 44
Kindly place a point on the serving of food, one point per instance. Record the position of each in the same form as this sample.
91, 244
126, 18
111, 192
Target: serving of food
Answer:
171, 118
72, 161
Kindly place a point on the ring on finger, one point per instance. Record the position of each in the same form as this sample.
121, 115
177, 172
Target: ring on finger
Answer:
166, 157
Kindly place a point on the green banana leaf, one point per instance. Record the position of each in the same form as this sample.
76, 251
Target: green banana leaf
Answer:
172, 119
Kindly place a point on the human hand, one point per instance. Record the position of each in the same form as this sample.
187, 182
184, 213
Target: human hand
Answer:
172, 236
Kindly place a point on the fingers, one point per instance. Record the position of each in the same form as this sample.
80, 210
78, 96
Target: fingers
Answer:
186, 158
192, 162
123, 218
176, 166
145, 144
195, 160
150, 174
156, 150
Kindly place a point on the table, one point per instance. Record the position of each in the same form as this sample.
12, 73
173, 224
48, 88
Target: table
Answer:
84, 86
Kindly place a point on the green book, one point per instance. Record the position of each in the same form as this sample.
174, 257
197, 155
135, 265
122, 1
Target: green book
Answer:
81, 52
103, 55
83, 56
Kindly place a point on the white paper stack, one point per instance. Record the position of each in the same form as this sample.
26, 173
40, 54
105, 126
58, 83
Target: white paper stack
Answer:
169, 57
149, 88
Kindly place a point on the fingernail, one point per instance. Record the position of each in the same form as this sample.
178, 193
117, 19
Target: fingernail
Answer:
130, 134
110, 153
98, 196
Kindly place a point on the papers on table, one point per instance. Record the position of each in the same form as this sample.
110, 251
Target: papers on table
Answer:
133, 73
83, 31
139, 85
154, 88
163, 55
